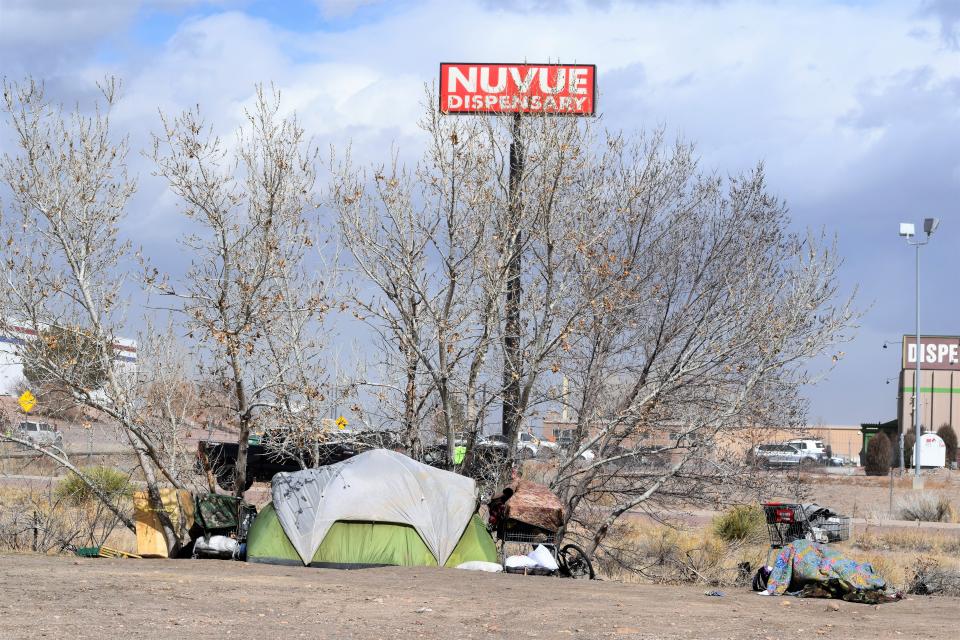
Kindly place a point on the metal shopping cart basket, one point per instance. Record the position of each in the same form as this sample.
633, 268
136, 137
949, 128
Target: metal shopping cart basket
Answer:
788, 521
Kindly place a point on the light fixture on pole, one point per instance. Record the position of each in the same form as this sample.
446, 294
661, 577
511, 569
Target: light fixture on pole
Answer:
908, 230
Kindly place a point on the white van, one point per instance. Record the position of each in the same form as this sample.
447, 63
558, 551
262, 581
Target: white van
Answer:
40, 434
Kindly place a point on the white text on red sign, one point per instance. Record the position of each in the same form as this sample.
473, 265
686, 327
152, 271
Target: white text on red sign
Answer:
517, 88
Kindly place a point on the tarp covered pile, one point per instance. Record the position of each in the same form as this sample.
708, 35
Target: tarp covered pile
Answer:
535, 505
814, 570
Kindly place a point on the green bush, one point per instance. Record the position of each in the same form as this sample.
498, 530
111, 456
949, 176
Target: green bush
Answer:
879, 453
114, 483
949, 437
908, 449
741, 522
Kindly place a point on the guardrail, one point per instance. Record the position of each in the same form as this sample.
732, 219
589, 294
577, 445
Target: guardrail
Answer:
73, 453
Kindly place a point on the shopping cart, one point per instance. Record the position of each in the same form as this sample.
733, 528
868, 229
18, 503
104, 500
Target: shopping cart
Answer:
570, 558
787, 521
527, 515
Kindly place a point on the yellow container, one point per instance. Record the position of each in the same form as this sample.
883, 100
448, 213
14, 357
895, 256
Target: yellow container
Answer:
150, 540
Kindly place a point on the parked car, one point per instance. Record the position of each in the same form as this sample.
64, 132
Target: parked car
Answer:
40, 434
810, 448
780, 455
528, 446
543, 447
497, 440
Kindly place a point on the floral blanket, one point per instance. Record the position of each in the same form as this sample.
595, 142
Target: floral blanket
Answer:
811, 569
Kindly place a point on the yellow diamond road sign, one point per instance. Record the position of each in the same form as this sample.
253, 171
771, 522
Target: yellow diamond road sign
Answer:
27, 401
342, 423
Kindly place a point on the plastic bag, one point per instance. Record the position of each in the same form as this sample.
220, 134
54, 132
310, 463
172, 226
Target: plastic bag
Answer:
480, 565
542, 556
215, 547
519, 562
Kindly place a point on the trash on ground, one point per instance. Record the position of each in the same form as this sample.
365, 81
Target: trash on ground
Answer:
480, 565
221, 547
103, 552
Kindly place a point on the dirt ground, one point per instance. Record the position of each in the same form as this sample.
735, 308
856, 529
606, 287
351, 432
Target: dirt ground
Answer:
869, 497
62, 597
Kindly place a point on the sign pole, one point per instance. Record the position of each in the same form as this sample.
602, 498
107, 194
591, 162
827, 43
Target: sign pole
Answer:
510, 420
515, 88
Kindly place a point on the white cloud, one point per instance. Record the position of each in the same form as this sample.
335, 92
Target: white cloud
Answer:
851, 106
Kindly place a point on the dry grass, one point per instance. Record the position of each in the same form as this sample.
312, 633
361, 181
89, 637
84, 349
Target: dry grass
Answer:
38, 519
649, 552
897, 554
926, 507
643, 551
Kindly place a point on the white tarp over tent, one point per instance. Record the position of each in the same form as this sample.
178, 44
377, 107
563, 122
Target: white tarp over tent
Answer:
374, 486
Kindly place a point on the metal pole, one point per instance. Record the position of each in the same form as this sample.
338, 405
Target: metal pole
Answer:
916, 382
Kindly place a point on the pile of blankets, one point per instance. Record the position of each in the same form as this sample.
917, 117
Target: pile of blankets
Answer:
812, 570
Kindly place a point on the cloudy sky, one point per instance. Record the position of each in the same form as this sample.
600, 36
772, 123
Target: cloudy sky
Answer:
854, 106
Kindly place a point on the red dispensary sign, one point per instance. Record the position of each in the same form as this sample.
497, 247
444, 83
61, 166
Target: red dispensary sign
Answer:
559, 89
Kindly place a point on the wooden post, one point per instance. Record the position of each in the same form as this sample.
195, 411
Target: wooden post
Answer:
891, 492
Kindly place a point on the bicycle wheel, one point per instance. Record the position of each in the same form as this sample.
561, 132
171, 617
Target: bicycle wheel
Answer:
574, 562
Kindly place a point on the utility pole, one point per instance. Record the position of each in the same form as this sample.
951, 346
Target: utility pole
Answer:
917, 480
512, 360
907, 231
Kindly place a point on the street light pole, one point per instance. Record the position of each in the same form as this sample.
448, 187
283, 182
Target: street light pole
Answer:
916, 380
907, 230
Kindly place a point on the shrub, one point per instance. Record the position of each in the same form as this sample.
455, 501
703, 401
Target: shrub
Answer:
741, 522
879, 452
930, 578
115, 484
949, 437
670, 556
925, 508
908, 449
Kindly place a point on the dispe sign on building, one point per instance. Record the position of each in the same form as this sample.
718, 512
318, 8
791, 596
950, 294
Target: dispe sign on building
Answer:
936, 352
551, 89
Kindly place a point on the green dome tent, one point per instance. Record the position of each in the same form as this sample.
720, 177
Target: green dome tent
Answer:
375, 509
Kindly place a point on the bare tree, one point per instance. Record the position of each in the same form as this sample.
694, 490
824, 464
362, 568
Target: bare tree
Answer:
678, 306
426, 240
248, 300
64, 269
704, 313
441, 245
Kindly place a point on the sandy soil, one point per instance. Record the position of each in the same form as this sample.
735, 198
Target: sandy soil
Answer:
60, 597
869, 497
